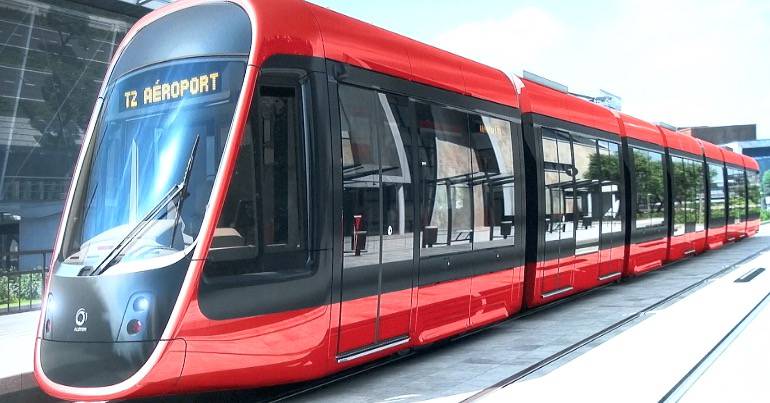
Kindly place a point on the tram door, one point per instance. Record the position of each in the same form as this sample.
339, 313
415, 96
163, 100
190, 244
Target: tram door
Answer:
559, 218
378, 219
611, 238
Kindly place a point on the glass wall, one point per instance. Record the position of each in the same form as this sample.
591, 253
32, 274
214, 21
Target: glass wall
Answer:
52, 62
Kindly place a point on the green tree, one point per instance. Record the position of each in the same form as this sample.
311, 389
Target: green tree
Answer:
688, 190
603, 168
649, 174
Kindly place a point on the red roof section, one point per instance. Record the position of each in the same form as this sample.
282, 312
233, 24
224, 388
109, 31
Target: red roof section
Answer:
681, 142
639, 129
711, 151
546, 101
357, 43
732, 158
750, 163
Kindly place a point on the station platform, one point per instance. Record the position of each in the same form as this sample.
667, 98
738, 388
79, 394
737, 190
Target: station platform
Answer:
545, 346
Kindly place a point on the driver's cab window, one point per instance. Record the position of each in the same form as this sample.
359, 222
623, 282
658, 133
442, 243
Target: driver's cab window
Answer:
262, 228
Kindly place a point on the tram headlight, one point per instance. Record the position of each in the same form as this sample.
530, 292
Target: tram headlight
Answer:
141, 304
50, 310
50, 304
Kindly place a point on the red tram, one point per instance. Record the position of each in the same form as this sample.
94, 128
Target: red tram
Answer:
271, 192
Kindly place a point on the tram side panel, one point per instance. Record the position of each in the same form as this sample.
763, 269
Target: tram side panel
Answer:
647, 195
736, 202
755, 202
687, 189
264, 297
754, 195
735, 179
576, 175
716, 195
496, 288
471, 214
464, 180
648, 213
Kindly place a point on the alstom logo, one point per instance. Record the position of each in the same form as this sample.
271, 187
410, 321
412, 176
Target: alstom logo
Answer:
81, 316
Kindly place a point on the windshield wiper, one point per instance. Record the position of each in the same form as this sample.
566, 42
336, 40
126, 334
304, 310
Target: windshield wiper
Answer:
179, 190
183, 184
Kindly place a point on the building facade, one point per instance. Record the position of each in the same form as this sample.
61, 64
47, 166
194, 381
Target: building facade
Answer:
740, 139
723, 134
53, 57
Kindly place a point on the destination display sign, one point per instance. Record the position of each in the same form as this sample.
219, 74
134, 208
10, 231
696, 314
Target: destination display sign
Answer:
171, 84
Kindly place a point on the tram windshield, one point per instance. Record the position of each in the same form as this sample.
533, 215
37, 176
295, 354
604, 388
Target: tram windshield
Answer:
147, 177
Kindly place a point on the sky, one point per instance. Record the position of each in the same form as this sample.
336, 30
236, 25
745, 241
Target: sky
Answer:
682, 62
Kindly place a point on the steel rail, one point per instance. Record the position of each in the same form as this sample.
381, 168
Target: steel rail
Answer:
683, 386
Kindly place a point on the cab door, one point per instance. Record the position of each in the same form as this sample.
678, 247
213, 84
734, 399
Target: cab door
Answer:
377, 220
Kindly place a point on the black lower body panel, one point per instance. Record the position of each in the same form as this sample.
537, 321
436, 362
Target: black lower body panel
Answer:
88, 365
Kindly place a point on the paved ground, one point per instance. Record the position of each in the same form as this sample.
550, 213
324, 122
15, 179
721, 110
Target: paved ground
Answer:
740, 372
17, 342
661, 357
465, 366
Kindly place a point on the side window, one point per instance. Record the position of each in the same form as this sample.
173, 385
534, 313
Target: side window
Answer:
492, 181
737, 193
650, 191
559, 185
610, 171
588, 192
643, 197
741, 180
554, 200
688, 195
445, 166
717, 195
279, 157
657, 189
697, 172
755, 195
680, 194
732, 197
262, 229
744, 194
567, 179
361, 221
378, 216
